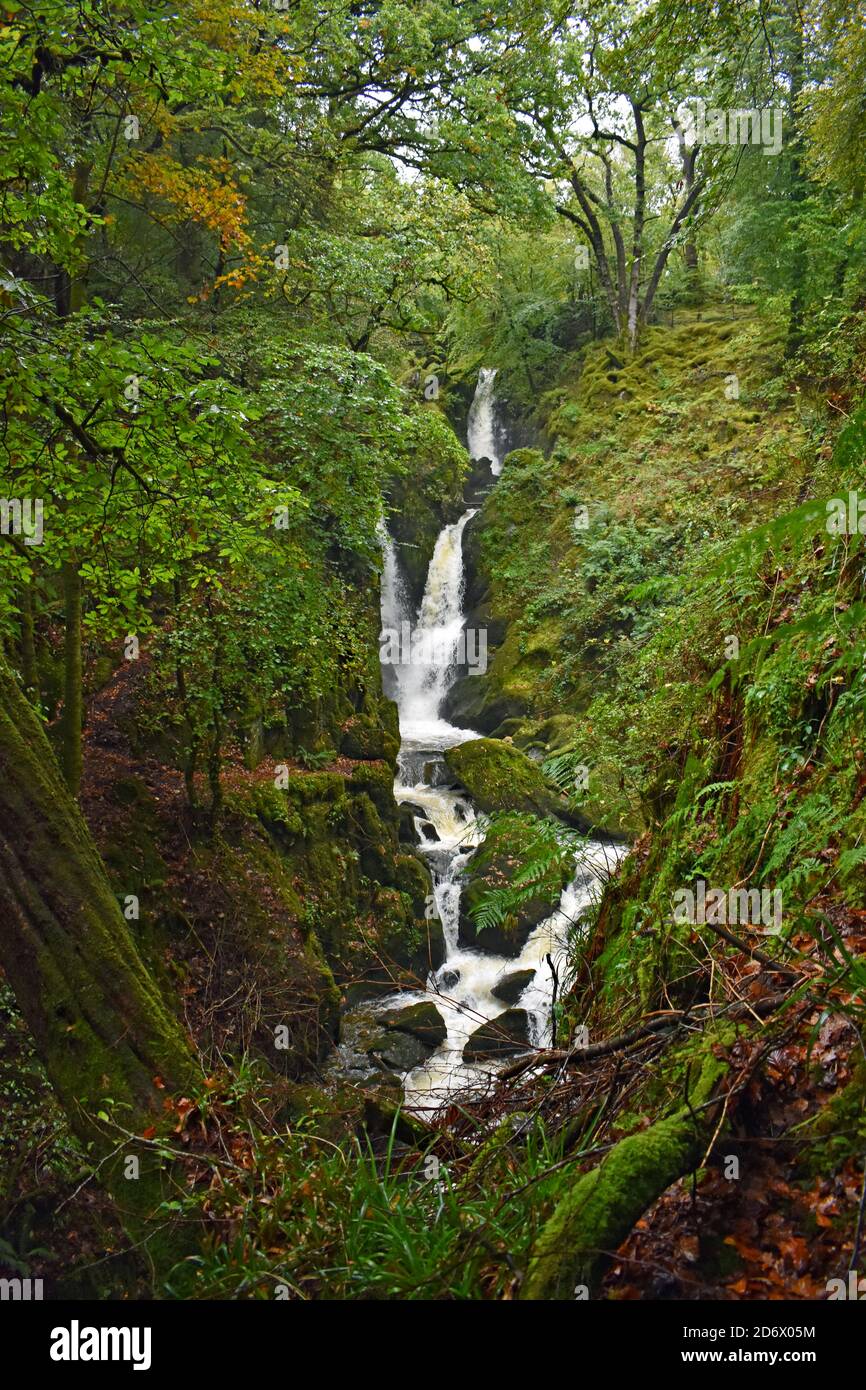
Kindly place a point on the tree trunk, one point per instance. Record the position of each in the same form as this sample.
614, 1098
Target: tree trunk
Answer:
799, 184
633, 293
599, 1210
29, 669
73, 711
109, 1044
687, 159
214, 775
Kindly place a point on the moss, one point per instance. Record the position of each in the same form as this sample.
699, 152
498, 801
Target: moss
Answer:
412, 878
271, 806
427, 497
364, 737
355, 888
839, 1129
507, 845
597, 1212
499, 777
377, 780
100, 1024
294, 987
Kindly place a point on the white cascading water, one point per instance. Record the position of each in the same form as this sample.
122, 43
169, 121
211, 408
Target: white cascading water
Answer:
481, 426
423, 682
447, 830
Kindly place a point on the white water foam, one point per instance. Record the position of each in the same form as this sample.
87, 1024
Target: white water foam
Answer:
446, 824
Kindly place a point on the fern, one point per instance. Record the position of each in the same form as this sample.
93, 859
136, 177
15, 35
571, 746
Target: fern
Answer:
549, 855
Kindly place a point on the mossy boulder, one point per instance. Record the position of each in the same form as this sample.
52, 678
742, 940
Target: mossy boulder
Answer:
377, 780
486, 700
373, 1109
365, 738
357, 890
400, 1052
422, 1020
499, 1037
506, 846
499, 777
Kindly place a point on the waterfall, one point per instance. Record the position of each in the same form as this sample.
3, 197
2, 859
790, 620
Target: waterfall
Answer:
481, 427
445, 821
427, 668
393, 603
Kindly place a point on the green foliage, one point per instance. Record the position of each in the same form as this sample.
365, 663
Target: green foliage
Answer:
548, 852
361, 1217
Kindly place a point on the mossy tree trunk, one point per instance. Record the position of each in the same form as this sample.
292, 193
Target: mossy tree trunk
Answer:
73, 708
599, 1210
108, 1042
799, 190
29, 669
70, 298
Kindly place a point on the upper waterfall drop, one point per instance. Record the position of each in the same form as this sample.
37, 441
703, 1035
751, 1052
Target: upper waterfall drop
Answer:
481, 425
393, 604
427, 647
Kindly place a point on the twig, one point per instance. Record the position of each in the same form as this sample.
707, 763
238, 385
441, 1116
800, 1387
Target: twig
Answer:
754, 952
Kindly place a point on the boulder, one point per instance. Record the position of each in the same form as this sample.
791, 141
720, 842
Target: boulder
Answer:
422, 1021
510, 986
398, 1052
364, 738
407, 834
490, 867
499, 777
431, 953
499, 1037
506, 940
436, 774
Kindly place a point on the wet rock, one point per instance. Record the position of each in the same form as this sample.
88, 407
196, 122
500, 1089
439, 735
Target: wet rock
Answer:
448, 979
436, 774
498, 940
433, 949
406, 831
422, 1021
365, 738
501, 778
509, 987
384, 1115
398, 1052
491, 866
470, 702
478, 483
362, 991
500, 1037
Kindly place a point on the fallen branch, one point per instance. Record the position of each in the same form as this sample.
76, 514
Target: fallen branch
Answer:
753, 951
675, 1019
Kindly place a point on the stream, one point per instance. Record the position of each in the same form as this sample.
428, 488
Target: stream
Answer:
445, 820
